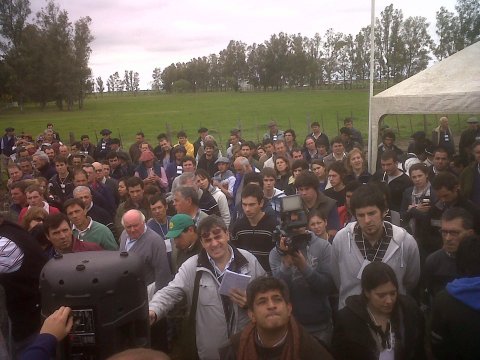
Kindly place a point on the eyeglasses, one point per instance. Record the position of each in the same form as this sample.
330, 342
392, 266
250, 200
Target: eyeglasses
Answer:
450, 232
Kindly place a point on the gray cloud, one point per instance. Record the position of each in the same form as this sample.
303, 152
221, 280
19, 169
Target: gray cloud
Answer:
145, 34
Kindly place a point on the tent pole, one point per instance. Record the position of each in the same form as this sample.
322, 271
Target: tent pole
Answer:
371, 165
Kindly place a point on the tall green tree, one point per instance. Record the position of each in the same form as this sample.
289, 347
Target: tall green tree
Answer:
346, 58
389, 45
214, 72
157, 79
276, 60
297, 60
314, 60
99, 85
446, 29
81, 43
331, 46
234, 65
417, 44
361, 58
169, 76
468, 23
13, 21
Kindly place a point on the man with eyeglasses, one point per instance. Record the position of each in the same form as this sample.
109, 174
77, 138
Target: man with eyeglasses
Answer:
440, 266
214, 317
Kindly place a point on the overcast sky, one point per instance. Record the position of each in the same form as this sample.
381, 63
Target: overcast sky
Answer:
143, 34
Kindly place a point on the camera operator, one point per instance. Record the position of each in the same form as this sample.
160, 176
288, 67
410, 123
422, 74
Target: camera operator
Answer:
304, 264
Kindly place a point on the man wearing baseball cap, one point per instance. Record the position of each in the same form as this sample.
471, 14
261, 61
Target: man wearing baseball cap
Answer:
103, 146
183, 232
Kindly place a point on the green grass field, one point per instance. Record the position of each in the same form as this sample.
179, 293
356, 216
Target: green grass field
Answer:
153, 113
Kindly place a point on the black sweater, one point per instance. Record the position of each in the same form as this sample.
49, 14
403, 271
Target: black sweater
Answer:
352, 337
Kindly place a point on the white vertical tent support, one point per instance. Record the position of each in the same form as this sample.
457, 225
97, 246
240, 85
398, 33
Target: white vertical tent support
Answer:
371, 144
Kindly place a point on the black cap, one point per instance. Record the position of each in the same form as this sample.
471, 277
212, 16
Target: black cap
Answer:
105, 132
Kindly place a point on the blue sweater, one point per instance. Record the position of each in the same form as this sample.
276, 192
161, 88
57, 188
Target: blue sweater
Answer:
309, 290
43, 348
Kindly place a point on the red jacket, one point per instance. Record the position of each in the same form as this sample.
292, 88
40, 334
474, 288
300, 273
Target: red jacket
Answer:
79, 246
51, 210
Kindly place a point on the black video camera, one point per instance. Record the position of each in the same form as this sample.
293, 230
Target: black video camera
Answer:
293, 217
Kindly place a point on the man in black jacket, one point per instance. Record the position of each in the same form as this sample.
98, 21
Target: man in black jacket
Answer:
456, 310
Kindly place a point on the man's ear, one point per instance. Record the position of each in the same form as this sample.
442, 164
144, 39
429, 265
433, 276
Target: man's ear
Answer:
289, 308
251, 315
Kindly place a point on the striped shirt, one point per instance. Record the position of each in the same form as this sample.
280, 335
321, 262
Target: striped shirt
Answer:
378, 250
11, 257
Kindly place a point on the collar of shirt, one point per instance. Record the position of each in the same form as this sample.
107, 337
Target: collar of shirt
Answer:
82, 232
387, 235
46, 207
129, 243
218, 272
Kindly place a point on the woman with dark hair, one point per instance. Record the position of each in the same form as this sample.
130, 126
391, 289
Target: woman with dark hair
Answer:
336, 177
282, 167
416, 203
380, 323
317, 223
319, 169
204, 182
122, 189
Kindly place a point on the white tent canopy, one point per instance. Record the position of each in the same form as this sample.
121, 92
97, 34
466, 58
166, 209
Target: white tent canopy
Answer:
451, 86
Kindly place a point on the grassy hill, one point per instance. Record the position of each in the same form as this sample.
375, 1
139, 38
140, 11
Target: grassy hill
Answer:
153, 113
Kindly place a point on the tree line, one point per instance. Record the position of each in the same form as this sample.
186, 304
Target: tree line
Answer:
129, 83
45, 60
403, 47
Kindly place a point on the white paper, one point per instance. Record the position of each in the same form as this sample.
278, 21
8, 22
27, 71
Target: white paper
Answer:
232, 280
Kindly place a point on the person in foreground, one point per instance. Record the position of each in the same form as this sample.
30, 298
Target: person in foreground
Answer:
273, 332
380, 323
372, 239
55, 328
213, 317
455, 325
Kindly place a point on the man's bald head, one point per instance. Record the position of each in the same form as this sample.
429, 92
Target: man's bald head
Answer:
98, 167
242, 165
134, 223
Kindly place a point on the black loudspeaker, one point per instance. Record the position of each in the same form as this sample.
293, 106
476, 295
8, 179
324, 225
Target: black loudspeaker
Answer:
108, 295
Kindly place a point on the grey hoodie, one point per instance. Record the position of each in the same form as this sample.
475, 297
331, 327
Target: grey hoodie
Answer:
402, 255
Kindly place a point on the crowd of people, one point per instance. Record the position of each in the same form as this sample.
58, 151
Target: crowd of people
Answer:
385, 266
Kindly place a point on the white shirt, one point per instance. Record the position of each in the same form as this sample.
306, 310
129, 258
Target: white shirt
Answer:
11, 256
